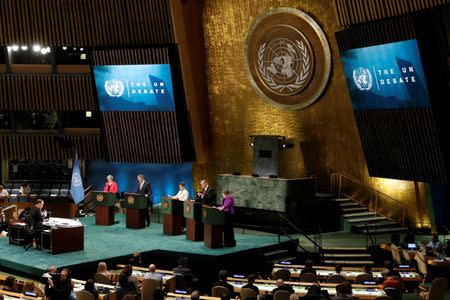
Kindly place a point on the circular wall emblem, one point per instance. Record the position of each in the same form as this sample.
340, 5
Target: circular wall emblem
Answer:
362, 78
99, 198
287, 58
165, 204
187, 208
130, 200
114, 88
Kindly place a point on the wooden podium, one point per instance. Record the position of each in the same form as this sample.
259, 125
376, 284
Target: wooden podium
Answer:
213, 228
104, 207
194, 226
173, 215
137, 208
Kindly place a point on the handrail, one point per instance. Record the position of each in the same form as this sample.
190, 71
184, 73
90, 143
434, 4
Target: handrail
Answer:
289, 222
336, 179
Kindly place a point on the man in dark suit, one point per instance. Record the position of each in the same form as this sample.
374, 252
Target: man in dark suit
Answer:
207, 195
144, 188
35, 214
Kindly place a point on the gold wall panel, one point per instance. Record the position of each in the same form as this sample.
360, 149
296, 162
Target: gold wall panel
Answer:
325, 135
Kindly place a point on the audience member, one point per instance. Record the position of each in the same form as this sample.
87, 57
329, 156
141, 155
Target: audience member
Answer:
223, 282
309, 267
59, 287
3, 193
132, 282
10, 283
103, 269
313, 293
389, 280
3, 222
136, 260
183, 269
338, 269
250, 283
390, 267
90, 287
446, 250
195, 295
151, 274
25, 188
281, 286
344, 291
435, 244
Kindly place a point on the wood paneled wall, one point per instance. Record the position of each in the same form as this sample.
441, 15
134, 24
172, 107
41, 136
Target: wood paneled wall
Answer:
47, 92
49, 147
148, 136
85, 22
349, 12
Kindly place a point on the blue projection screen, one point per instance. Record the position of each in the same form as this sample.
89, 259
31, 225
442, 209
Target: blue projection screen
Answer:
387, 76
134, 87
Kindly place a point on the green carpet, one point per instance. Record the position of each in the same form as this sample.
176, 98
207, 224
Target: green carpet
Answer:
104, 242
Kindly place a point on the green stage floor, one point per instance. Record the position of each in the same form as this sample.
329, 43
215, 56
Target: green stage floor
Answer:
105, 242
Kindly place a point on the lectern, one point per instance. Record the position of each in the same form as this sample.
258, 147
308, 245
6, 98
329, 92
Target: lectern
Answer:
104, 207
173, 215
137, 208
213, 228
194, 226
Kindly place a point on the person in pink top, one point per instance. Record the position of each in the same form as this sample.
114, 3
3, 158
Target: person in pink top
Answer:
111, 185
228, 208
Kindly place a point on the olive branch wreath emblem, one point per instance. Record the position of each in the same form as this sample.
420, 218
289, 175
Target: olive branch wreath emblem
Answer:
301, 78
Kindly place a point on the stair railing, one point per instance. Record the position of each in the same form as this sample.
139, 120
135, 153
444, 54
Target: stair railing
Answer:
376, 201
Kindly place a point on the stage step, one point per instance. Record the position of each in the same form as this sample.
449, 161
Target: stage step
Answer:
347, 249
349, 262
348, 204
366, 220
346, 255
276, 252
382, 223
354, 209
342, 200
386, 230
363, 214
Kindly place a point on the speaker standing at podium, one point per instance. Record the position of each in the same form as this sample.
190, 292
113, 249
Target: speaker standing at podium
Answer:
111, 185
228, 208
207, 195
144, 188
182, 194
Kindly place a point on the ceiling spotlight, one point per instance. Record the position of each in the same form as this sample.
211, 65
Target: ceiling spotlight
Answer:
284, 145
15, 47
43, 51
48, 49
251, 144
74, 48
64, 48
8, 48
36, 48
24, 48
81, 49
88, 114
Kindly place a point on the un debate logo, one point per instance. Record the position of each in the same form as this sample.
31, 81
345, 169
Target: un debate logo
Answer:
114, 88
287, 58
362, 78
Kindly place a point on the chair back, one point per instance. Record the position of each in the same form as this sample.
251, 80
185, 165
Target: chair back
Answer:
336, 278
396, 254
359, 279
437, 289
101, 278
84, 295
149, 286
421, 263
282, 295
180, 282
219, 290
247, 293
308, 277
284, 274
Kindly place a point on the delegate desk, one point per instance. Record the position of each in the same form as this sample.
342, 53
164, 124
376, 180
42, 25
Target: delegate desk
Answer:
173, 296
63, 235
350, 275
105, 291
14, 296
368, 292
168, 276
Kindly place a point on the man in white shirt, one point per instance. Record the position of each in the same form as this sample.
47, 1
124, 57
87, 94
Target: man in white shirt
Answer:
153, 275
3, 193
182, 194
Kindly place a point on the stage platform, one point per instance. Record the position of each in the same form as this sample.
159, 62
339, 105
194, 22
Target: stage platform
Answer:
116, 243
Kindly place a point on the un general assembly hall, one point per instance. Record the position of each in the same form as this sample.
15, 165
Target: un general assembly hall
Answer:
224, 149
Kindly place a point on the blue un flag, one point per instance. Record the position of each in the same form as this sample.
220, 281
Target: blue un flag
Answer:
76, 187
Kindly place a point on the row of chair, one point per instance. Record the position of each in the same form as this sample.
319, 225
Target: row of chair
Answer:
14, 195
38, 186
